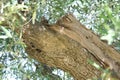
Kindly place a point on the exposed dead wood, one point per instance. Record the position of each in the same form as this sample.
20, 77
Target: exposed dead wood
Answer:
69, 45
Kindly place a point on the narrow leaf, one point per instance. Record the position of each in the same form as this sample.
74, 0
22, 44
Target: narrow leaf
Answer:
6, 32
34, 17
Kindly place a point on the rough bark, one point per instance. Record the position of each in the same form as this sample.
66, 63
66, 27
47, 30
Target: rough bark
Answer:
68, 45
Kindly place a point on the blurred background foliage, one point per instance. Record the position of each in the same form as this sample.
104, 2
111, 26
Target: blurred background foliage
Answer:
101, 16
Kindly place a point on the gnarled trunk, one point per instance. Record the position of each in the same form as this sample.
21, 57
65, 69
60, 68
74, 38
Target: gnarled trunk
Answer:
68, 45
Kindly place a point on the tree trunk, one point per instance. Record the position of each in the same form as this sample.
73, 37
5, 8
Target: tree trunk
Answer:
68, 45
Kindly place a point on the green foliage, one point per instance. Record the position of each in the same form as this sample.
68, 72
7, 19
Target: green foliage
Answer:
102, 16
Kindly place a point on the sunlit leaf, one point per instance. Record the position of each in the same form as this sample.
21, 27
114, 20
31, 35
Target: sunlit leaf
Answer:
22, 17
6, 32
109, 36
43, 2
34, 17
94, 64
3, 37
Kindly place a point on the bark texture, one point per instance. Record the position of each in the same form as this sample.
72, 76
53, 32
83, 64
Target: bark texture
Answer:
68, 45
